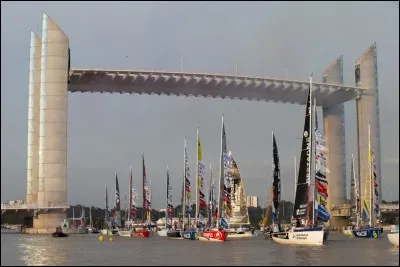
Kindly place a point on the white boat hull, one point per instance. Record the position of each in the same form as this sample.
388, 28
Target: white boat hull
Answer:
314, 238
125, 233
394, 239
162, 232
235, 236
348, 232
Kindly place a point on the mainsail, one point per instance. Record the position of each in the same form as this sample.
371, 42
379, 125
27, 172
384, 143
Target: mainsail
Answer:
276, 184
223, 190
146, 194
239, 213
201, 204
187, 192
117, 214
168, 214
303, 179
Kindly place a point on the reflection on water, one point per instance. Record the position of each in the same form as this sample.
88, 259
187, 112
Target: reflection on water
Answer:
87, 250
43, 250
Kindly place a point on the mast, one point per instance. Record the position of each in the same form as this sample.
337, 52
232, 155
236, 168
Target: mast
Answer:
356, 197
221, 176
311, 130
197, 179
166, 211
210, 199
106, 210
143, 190
184, 186
370, 175
313, 155
130, 193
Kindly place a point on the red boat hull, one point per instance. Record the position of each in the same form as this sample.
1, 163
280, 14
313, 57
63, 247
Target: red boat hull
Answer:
214, 235
140, 233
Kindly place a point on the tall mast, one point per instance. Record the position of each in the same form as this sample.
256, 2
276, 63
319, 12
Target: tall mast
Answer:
144, 191
313, 156
221, 176
370, 175
310, 151
166, 211
356, 197
90, 218
184, 185
197, 179
130, 193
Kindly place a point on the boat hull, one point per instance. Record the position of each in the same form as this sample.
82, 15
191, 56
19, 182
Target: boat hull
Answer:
190, 235
314, 238
140, 233
213, 236
174, 235
125, 233
60, 235
367, 233
394, 239
348, 232
235, 236
162, 232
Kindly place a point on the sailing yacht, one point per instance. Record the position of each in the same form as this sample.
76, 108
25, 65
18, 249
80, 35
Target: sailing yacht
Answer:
393, 236
238, 223
355, 199
219, 234
306, 234
367, 228
168, 210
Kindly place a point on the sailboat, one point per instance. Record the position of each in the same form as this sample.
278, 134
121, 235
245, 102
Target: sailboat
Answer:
355, 200
106, 227
219, 234
367, 229
238, 222
168, 210
146, 216
305, 234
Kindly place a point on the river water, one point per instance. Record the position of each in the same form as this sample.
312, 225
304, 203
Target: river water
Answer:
19, 249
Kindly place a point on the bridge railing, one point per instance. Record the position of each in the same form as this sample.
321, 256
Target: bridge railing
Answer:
5, 206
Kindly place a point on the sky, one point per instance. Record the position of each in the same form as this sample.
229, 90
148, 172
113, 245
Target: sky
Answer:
107, 133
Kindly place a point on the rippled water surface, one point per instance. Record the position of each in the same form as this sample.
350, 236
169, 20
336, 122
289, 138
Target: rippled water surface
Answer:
87, 250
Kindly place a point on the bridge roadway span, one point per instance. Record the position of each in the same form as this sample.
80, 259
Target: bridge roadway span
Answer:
207, 85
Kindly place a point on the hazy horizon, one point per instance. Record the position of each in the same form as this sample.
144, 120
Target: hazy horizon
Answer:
107, 133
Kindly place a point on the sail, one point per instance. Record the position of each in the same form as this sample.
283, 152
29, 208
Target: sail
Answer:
276, 184
117, 214
303, 179
321, 171
146, 194
223, 189
170, 207
376, 186
188, 196
210, 200
201, 204
132, 197
239, 212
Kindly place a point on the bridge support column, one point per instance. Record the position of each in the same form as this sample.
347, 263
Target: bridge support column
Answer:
334, 131
32, 179
366, 76
53, 124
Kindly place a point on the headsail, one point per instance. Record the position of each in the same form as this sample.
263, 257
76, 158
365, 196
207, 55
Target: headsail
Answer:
201, 204
321, 171
168, 214
276, 184
239, 212
304, 177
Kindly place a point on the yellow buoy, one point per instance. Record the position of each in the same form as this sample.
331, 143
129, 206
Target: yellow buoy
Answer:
101, 238
111, 239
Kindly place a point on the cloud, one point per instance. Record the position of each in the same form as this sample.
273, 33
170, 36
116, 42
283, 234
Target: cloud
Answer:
391, 161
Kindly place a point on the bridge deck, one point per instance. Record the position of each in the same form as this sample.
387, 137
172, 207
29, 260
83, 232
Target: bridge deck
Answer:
207, 85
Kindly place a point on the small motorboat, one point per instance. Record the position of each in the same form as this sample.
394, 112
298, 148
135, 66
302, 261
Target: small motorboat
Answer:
59, 233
